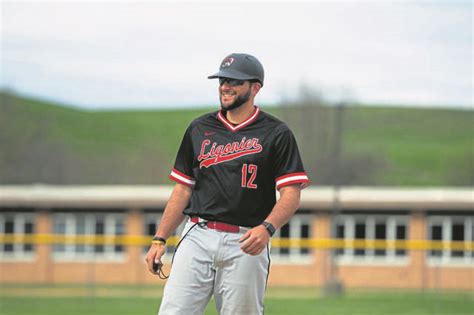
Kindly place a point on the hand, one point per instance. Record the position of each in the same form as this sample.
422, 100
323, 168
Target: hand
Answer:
154, 254
255, 240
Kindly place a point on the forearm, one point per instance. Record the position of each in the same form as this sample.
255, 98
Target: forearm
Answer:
257, 238
285, 207
173, 214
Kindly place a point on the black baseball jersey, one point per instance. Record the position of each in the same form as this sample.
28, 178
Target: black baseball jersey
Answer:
234, 169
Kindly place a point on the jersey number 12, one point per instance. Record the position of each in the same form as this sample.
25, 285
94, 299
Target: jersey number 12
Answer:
252, 170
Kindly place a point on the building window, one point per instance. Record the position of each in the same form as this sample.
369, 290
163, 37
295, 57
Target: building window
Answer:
152, 220
80, 224
299, 227
359, 234
400, 235
451, 229
364, 229
19, 224
340, 234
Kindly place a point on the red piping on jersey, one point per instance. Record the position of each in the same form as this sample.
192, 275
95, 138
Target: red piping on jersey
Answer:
299, 178
289, 175
242, 124
304, 183
174, 176
182, 174
179, 181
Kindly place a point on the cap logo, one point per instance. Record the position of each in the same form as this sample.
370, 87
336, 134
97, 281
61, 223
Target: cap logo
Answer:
227, 62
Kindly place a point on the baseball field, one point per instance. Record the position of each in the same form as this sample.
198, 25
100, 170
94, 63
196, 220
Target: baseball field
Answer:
118, 300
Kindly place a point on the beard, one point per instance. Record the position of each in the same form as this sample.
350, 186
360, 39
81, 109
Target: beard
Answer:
239, 101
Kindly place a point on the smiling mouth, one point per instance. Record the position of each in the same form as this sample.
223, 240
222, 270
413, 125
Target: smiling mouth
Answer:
227, 94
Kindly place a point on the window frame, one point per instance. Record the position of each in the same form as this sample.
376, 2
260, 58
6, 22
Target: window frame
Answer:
447, 222
294, 255
392, 221
19, 222
71, 253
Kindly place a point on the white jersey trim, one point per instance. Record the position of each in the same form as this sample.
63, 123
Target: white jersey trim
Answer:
247, 122
181, 178
292, 179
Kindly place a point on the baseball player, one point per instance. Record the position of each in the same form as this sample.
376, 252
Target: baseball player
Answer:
227, 169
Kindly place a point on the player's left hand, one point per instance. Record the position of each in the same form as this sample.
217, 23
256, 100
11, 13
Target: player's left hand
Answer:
255, 240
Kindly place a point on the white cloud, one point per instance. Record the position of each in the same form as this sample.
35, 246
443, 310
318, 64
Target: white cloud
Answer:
159, 54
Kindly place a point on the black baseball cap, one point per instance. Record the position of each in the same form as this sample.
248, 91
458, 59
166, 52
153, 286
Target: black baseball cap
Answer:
241, 67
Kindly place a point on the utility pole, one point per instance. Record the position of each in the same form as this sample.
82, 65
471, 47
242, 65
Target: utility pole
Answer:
334, 286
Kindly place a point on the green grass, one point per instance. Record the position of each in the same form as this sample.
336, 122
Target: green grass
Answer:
56, 144
282, 301
419, 146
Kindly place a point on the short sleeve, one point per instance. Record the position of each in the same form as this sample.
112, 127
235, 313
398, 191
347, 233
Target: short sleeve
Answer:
183, 167
289, 168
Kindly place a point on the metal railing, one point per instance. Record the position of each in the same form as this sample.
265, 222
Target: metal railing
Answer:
310, 243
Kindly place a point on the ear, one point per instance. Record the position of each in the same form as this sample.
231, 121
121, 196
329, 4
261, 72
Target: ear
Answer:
256, 87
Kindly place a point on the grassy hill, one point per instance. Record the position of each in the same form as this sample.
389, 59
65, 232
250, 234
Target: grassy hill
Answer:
49, 143
419, 146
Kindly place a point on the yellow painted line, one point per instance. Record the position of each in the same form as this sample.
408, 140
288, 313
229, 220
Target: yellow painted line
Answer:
141, 240
49, 239
372, 244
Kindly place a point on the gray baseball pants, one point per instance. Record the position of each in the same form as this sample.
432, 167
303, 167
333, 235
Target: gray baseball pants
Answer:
209, 262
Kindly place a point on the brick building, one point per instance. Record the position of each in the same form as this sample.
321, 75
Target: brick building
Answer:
362, 214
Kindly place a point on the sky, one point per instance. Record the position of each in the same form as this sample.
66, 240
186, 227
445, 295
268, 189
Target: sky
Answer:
129, 54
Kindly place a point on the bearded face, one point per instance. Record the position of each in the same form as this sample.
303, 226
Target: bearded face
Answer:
232, 99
